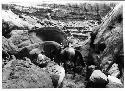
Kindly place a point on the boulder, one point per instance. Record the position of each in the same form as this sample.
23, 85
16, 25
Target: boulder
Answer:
114, 70
97, 75
19, 38
113, 79
24, 74
8, 46
18, 32
114, 82
98, 79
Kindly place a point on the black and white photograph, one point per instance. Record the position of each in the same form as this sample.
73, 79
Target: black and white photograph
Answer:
62, 44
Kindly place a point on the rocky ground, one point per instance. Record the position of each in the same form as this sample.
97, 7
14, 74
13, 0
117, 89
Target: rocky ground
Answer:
20, 36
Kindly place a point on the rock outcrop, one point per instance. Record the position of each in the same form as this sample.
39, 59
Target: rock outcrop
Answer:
24, 74
110, 33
